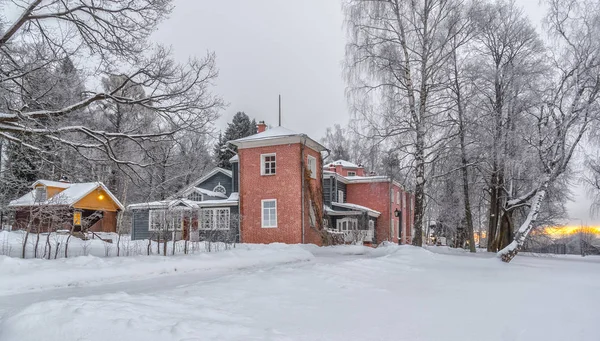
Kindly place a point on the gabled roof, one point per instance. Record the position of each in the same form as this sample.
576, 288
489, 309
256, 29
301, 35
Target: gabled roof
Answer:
276, 136
70, 196
189, 204
49, 183
343, 163
350, 206
205, 177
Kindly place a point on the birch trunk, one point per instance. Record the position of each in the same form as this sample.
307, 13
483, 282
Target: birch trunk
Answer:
509, 252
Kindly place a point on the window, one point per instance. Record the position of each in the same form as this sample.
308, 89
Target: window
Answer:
398, 197
195, 196
371, 225
269, 213
267, 164
40, 194
156, 220
311, 214
340, 196
214, 218
347, 224
163, 220
312, 166
351, 173
219, 189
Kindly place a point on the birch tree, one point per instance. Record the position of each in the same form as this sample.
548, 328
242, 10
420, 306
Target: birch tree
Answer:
569, 106
396, 52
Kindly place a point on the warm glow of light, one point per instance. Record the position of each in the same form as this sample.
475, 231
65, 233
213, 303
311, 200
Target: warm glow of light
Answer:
101, 197
563, 231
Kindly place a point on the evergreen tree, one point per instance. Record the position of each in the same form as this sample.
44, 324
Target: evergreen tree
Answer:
240, 126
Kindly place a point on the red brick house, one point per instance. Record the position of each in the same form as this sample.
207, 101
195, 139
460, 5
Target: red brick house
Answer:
279, 186
287, 195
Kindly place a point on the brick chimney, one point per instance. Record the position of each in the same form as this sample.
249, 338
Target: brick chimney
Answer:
261, 126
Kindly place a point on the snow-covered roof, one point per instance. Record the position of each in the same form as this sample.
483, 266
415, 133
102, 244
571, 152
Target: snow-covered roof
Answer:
49, 183
276, 136
173, 203
72, 193
343, 163
235, 158
210, 193
205, 177
351, 206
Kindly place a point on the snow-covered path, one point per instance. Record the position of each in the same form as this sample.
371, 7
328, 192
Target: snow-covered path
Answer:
403, 293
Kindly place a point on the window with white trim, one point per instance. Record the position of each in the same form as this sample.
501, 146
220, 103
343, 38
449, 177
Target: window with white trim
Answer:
311, 162
219, 189
41, 194
156, 220
340, 197
371, 225
165, 220
195, 196
214, 218
347, 224
269, 213
267, 164
312, 218
350, 173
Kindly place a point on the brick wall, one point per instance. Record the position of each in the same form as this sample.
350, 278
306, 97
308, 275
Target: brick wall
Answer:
376, 195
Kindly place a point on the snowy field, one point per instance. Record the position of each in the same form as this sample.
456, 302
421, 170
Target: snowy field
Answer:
291, 292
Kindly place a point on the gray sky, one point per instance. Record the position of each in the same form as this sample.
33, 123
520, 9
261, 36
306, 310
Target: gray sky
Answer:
293, 48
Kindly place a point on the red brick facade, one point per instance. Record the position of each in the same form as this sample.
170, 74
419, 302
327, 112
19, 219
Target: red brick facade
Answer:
377, 196
285, 186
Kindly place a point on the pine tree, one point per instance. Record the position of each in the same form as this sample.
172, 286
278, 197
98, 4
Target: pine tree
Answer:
240, 126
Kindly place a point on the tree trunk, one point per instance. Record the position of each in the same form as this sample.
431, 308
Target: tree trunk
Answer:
493, 218
419, 193
509, 252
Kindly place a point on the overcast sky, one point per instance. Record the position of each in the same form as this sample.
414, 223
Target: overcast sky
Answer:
294, 48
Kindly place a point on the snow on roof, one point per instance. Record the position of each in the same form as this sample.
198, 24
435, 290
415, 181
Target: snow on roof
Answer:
170, 204
210, 193
49, 183
275, 134
343, 163
356, 207
205, 177
272, 133
72, 194
235, 158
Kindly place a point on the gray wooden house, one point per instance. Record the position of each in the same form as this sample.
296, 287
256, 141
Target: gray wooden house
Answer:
207, 210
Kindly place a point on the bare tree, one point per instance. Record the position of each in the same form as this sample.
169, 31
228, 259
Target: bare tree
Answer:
395, 58
568, 108
112, 37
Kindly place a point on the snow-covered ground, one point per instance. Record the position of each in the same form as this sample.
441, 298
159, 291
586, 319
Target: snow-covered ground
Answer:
338, 293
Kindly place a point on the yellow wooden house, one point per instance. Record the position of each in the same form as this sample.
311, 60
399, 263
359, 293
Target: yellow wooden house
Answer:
56, 205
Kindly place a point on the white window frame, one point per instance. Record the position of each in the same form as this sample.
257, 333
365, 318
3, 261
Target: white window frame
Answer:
371, 224
151, 218
351, 173
311, 162
196, 195
262, 164
351, 224
167, 225
40, 194
220, 189
262, 213
214, 223
312, 217
340, 196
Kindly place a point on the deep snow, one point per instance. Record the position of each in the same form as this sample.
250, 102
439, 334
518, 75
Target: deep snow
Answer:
342, 293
